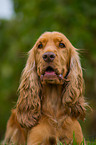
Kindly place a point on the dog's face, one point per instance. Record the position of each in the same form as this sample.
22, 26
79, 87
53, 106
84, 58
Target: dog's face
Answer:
52, 54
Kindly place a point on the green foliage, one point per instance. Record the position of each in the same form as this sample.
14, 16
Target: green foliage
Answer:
75, 143
91, 143
76, 19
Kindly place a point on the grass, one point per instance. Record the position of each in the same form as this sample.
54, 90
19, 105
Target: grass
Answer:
82, 143
75, 143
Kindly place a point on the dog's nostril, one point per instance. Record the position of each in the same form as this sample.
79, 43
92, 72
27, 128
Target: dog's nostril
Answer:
52, 56
45, 56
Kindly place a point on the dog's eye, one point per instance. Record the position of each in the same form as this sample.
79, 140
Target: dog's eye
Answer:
61, 45
40, 46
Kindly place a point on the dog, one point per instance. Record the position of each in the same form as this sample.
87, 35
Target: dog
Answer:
50, 95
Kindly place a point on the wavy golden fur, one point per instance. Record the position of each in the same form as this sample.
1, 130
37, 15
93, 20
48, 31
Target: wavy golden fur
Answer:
51, 95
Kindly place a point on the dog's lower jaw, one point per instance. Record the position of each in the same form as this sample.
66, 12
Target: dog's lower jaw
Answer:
52, 79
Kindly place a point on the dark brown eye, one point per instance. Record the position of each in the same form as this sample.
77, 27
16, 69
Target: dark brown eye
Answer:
40, 46
61, 45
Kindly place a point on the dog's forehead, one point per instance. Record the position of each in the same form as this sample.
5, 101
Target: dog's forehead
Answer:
52, 35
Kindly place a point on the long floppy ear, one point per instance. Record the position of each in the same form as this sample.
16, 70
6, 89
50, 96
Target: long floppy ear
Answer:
28, 105
73, 98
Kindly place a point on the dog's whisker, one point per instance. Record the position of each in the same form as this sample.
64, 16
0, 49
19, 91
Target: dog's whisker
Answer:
60, 77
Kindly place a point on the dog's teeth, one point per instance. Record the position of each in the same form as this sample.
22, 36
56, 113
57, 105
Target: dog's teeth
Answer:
41, 77
60, 76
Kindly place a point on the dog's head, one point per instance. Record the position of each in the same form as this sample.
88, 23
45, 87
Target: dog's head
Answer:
52, 57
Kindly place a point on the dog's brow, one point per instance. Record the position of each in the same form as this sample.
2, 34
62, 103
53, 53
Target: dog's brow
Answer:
43, 39
59, 38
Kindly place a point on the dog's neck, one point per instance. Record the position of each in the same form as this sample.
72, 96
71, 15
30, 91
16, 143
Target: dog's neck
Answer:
51, 102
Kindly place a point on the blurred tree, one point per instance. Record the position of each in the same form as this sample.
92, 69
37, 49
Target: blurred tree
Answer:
76, 19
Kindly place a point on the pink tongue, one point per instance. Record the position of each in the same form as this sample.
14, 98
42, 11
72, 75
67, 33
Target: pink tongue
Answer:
49, 73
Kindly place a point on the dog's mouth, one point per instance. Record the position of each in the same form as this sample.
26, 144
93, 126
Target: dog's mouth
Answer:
49, 71
51, 74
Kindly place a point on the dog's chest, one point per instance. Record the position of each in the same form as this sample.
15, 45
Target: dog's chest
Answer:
51, 101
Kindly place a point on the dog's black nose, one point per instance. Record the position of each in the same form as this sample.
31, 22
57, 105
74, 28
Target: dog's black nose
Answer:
48, 56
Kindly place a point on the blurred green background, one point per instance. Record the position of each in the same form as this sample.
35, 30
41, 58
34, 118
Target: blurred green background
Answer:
75, 19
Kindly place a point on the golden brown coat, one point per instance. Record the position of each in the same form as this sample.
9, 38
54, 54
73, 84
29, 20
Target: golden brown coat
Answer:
51, 95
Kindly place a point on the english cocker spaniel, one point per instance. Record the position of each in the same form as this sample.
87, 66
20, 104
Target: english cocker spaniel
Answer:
51, 95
